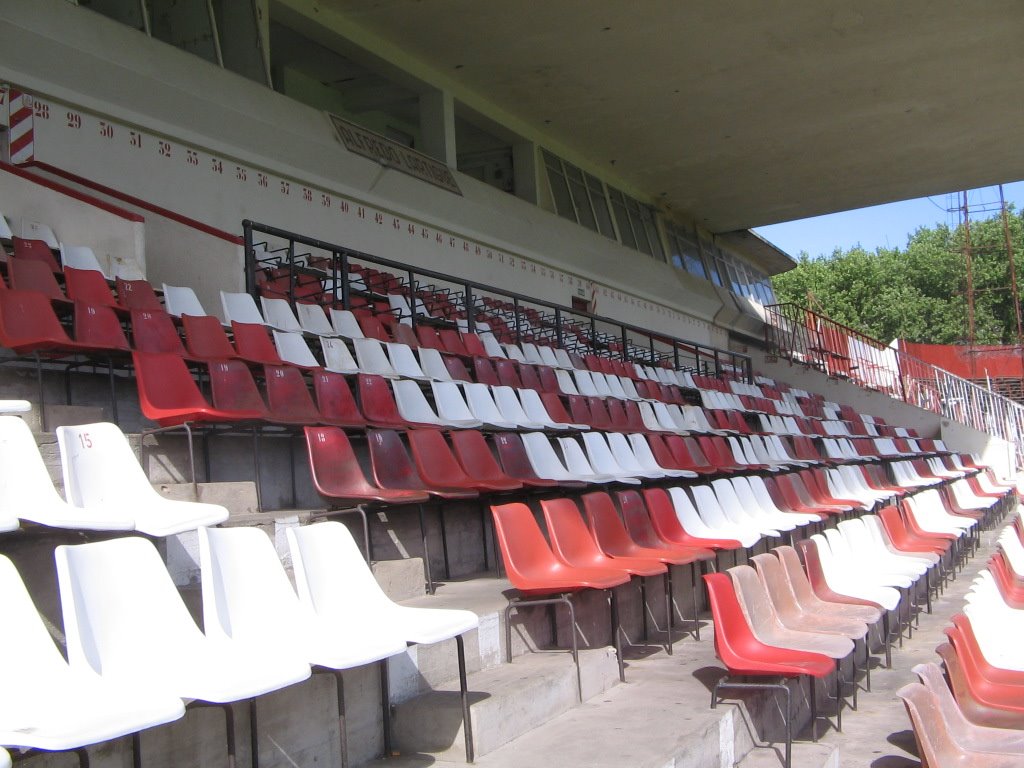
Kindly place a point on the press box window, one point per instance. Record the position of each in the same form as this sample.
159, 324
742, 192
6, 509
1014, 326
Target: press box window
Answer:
578, 196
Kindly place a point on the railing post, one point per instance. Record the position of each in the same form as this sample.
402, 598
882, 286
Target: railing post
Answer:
470, 309
341, 259
291, 272
515, 315
250, 259
558, 327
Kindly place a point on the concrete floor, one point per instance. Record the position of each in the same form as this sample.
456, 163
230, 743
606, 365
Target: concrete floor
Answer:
879, 735
663, 716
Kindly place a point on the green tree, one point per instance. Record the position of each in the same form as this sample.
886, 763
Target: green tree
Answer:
916, 293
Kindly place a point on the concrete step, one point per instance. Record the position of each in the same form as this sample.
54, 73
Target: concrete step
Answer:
506, 702
238, 497
805, 755
660, 717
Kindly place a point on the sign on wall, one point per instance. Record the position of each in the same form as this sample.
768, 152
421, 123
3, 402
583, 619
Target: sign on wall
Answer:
394, 155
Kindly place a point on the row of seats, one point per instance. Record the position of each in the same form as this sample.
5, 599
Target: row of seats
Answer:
776, 618
973, 714
136, 657
105, 488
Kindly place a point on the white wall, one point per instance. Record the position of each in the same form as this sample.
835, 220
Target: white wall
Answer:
88, 69
116, 240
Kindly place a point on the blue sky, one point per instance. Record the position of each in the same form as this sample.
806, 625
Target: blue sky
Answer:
887, 225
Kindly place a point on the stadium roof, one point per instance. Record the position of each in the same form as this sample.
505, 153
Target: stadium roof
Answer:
739, 113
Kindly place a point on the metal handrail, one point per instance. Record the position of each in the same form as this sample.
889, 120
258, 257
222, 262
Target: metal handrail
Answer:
803, 336
708, 359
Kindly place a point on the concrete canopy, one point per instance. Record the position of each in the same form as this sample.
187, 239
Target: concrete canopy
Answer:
739, 113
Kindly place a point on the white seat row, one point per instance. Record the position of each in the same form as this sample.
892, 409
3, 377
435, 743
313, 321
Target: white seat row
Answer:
105, 487
135, 656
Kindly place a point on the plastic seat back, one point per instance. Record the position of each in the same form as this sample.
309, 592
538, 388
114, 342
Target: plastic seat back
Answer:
345, 324
932, 731
31, 275
606, 526
293, 350
89, 286
122, 612
205, 338
638, 521
435, 461
137, 294
484, 373
28, 249
473, 453
100, 467
232, 388
377, 402
331, 576
571, 542
335, 401
99, 327
525, 552
277, 313
241, 308
29, 656
313, 319
404, 361
80, 257
516, 462
392, 466
556, 410
508, 375
181, 300
335, 469
337, 357
246, 593
429, 338
25, 483
253, 343
154, 331
168, 394
288, 397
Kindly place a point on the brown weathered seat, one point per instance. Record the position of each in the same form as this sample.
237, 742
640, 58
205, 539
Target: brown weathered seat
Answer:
770, 630
934, 741
806, 596
974, 710
966, 734
831, 620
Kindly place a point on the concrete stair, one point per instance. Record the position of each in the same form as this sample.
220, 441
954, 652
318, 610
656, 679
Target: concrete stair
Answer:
661, 717
506, 702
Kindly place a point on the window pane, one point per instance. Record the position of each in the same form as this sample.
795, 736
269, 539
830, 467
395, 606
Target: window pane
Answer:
184, 24
580, 197
708, 252
622, 218
559, 187
600, 203
125, 11
652, 235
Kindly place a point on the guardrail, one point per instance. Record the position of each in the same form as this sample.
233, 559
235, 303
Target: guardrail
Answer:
803, 336
295, 260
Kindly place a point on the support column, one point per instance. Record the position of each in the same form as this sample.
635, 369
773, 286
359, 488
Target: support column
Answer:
437, 127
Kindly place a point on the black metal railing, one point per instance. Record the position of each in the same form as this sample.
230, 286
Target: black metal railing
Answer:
297, 267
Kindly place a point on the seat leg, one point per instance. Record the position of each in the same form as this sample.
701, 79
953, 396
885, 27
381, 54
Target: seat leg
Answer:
694, 586
256, 467
467, 719
813, 696
254, 738
444, 542
839, 695
616, 632
564, 599
643, 608
669, 615
426, 551
339, 685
